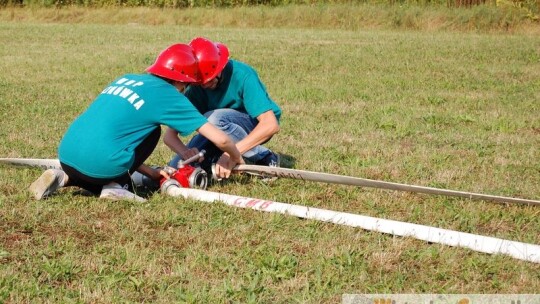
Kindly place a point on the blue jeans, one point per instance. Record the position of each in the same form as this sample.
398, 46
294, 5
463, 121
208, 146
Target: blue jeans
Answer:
236, 125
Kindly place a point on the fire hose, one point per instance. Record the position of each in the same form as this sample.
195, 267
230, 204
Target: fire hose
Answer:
197, 178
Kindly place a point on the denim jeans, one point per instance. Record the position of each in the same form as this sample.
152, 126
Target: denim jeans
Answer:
235, 124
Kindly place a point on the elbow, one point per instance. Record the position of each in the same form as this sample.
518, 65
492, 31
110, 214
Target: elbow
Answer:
268, 123
272, 129
276, 129
223, 142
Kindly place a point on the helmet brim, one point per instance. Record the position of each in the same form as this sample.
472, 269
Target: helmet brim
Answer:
178, 63
168, 74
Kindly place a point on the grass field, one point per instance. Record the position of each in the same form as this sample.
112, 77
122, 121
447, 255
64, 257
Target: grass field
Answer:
456, 110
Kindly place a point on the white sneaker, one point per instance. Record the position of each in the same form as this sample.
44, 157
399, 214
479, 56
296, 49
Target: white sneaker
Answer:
115, 192
48, 183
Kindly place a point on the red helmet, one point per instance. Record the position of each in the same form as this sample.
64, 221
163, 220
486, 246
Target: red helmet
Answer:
177, 62
212, 57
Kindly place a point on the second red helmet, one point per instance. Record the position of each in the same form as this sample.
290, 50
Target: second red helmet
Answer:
212, 57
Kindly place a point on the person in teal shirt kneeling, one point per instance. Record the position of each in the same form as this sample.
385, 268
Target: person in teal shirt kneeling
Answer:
121, 128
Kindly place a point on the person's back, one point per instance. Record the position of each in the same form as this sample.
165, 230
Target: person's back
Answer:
119, 119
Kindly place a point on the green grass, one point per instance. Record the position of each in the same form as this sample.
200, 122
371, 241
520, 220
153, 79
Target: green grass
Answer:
457, 110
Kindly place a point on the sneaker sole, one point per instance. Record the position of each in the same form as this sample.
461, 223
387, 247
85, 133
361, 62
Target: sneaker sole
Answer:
44, 186
121, 197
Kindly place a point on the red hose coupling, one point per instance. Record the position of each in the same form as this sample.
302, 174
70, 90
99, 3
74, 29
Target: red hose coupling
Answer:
189, 177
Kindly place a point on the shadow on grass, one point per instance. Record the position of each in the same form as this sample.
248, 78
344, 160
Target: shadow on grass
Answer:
287, 161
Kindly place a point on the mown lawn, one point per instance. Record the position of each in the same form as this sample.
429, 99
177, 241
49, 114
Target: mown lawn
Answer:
453, 110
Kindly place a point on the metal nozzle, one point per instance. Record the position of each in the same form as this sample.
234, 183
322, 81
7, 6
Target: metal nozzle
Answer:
214, 174
182, 163
198, 179
171, 182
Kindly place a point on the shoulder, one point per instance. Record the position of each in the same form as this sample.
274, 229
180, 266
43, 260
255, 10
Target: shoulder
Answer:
151, 87
243, 72
242, 67
141, 82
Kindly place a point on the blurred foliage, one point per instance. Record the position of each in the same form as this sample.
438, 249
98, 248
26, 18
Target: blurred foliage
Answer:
529, 8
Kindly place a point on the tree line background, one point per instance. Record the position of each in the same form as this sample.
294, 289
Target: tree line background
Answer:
533, 5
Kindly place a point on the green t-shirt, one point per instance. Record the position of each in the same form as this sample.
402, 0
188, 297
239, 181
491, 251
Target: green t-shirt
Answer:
101, 141
240, 89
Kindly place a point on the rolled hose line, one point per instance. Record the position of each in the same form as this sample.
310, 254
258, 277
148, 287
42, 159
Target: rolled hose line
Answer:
307, 176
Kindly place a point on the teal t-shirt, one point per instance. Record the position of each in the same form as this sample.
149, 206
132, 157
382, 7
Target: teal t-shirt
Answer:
240, 89
101, 141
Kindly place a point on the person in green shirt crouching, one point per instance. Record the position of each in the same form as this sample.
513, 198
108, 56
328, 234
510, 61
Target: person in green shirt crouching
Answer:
232, 98
113, 137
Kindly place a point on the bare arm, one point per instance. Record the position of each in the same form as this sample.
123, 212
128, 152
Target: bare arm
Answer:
172, 141
155, 174
265, 129
148, 171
